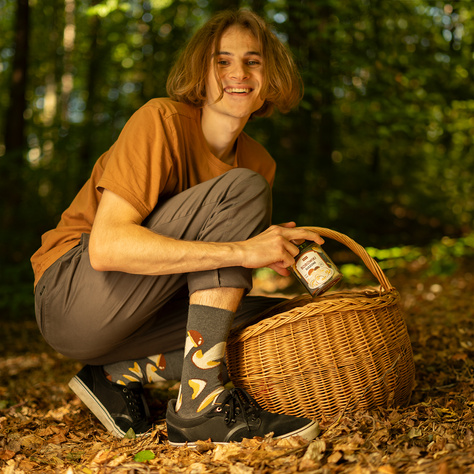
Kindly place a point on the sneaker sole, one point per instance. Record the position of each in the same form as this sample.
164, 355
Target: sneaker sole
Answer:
308, 432
95, 406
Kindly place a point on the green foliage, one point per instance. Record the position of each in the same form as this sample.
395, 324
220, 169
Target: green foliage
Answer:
380, 150
105, 8
441, 258
354, 274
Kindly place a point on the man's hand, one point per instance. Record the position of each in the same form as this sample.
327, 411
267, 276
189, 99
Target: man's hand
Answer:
276, 247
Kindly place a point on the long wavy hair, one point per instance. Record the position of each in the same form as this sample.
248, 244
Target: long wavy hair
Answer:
282, 85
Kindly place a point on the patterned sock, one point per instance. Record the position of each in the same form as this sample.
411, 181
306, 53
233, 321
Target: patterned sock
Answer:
148, 370
203, 367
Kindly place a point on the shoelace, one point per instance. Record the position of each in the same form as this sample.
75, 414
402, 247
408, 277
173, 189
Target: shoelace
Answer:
239, 401
134, 402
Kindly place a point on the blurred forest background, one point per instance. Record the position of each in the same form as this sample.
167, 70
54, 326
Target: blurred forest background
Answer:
381, 148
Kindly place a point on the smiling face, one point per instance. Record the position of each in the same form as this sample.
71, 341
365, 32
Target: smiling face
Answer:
239, 68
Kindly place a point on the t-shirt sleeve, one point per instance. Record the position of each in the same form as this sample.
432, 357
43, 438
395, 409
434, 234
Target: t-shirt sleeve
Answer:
139, 162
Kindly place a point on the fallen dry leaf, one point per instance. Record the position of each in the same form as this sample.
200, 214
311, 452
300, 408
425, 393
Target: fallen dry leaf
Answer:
335, 457
315, 451
240, 468
6, 454
387, 469
228, 452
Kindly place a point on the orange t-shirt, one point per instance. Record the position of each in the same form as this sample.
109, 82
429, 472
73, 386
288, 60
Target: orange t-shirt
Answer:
160, 152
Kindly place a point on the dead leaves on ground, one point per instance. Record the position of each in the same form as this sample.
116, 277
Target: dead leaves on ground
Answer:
44, 427
421, 438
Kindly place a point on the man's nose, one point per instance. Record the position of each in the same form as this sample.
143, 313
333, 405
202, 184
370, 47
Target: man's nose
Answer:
239, 72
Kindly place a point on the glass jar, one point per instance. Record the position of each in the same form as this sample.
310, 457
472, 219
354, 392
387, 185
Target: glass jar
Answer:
314, 269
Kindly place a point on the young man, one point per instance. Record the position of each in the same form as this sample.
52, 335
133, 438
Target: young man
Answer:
155, 254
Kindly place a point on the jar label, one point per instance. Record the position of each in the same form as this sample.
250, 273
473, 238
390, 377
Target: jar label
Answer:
313, 269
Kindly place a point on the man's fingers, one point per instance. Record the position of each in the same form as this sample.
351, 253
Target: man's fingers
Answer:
281, 270
288, 224
300, 234
291, 232
277, 247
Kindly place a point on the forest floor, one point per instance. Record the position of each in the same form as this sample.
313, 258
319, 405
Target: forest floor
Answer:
45, 428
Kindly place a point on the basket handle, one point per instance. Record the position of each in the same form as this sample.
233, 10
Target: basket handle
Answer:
360, 251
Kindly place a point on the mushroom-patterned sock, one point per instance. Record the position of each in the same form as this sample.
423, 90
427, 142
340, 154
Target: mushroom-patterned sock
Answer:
151, 369
203, 367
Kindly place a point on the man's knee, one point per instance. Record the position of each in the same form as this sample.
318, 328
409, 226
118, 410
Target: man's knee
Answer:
250, 184
245, 207
249, 176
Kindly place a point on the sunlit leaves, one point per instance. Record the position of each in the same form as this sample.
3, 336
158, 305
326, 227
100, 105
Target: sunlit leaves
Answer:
105, 8
159, 4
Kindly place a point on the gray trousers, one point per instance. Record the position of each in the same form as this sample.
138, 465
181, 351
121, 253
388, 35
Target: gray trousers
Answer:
104, 317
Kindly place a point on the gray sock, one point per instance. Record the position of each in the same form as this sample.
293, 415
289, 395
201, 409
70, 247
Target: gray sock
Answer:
203, 367
151, 369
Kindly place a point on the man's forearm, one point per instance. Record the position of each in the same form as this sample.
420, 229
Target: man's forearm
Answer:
135, 249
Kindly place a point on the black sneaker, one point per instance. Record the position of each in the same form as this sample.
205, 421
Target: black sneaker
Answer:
118, 407
235, 416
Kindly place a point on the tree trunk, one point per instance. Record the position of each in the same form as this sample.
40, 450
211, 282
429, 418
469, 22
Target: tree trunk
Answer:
15, 122
83, 167
67, 80
12, 164
314, 127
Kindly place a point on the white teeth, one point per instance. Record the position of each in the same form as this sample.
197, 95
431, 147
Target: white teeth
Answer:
234, 89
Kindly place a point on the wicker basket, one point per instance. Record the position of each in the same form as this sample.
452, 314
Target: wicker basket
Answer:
319, 356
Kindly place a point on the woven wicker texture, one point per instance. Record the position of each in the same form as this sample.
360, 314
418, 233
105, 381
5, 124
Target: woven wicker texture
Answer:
319, 356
